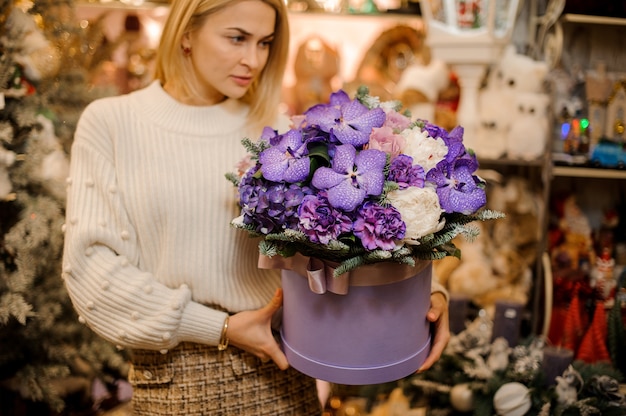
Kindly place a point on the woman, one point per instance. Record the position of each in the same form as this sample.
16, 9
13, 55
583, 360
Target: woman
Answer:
151, 262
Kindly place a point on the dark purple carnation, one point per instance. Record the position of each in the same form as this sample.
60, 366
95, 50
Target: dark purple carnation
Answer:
379, 227
320, 221
404, 173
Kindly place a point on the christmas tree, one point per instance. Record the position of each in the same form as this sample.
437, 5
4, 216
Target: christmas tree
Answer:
49, 361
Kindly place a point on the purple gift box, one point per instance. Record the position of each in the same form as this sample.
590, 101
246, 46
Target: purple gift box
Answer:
367, 334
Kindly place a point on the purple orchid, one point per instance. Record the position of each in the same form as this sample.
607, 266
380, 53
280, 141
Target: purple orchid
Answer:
270, 136
352, 176
320, 221
286, 160
379, 227
347, 121
457, 188
404, 173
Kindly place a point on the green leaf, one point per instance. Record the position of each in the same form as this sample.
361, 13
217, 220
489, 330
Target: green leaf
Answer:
319, 150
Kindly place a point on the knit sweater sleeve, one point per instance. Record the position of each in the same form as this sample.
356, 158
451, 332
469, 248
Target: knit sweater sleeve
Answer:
111, 293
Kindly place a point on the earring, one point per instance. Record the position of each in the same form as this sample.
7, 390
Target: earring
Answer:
186, 50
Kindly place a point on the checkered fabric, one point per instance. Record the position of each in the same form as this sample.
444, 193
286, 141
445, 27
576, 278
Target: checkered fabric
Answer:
194, 380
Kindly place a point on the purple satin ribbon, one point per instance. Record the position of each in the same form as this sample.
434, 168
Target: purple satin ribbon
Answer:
320, 273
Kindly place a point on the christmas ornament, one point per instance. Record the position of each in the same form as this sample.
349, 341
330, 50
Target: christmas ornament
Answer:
7, 158
568, 386
593, 346
512, 399
462, 397
41, 63
573, 326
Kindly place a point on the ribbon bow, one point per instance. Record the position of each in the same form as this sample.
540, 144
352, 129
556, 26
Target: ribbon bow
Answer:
321, 274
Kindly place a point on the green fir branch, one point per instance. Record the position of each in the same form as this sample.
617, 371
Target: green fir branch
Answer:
233, 178
254, 147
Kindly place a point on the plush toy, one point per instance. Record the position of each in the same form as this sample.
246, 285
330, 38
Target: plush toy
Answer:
419, 87
565, 104
528, 133
489, 142
516, 72
499, 102
573, 253
387, 58
315, 67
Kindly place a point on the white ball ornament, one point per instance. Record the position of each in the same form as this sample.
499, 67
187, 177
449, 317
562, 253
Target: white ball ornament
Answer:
462, 397
512, 399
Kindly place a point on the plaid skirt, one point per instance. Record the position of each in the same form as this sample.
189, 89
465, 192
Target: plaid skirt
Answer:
194, 380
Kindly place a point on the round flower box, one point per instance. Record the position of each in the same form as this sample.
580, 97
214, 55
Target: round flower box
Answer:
373, 331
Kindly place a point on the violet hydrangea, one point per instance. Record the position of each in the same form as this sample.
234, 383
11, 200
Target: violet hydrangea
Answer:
269, 206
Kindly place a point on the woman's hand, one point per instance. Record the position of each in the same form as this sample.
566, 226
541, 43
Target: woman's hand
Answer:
438, 315
251, 331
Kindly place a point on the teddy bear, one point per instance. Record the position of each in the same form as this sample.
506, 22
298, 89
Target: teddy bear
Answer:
489, 140
528, 134
498, 104
516, 72
419, 87
316, 65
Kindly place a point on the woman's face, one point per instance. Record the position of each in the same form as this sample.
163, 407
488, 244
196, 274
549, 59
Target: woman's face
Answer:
231, 48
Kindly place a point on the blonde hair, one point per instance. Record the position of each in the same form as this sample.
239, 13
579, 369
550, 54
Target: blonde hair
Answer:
171, 66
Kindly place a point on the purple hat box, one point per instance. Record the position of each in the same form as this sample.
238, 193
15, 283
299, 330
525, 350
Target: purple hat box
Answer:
373, 334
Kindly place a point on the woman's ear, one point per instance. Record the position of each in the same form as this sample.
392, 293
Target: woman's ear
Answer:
185, 42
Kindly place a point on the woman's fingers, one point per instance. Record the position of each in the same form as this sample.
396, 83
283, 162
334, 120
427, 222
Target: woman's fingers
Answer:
275, 303
438, 315
251, 331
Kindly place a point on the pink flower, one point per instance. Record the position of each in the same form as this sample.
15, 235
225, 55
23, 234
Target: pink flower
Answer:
397, 121
383, 138
244, 164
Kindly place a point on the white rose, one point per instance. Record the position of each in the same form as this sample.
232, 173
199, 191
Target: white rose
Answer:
425, 150
420, 211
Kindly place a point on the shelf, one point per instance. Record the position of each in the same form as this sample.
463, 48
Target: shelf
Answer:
597, 20
118, 5
139, 5
510, 162
582, 172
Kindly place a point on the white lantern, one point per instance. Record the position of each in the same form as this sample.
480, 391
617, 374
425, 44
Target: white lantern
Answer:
469, 35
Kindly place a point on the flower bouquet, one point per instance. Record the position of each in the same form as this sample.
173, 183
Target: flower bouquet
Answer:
358, 196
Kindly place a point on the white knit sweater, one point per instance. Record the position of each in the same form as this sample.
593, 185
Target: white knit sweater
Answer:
148, 240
